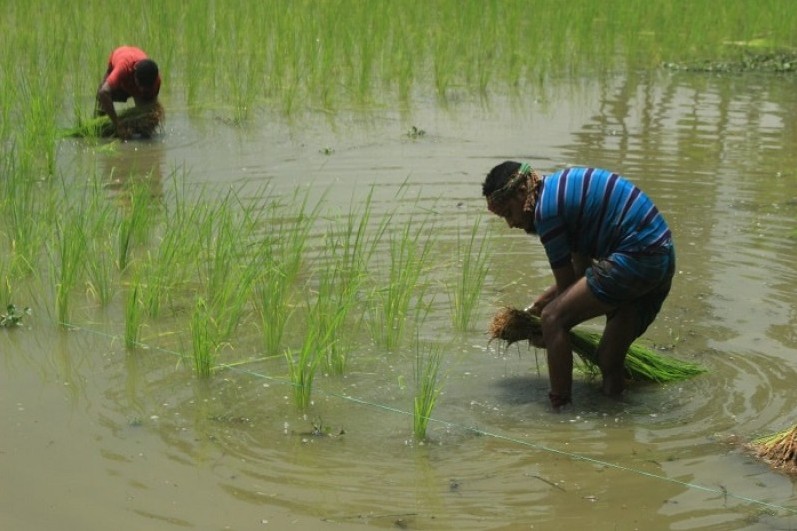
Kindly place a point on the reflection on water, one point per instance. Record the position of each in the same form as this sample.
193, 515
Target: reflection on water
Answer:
716, 155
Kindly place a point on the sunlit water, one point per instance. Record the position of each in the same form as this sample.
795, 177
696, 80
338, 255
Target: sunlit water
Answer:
98, 438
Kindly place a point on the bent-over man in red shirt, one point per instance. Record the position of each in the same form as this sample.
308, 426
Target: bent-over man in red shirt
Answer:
130, 73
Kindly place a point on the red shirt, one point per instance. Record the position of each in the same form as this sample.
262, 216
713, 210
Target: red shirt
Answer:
120, 74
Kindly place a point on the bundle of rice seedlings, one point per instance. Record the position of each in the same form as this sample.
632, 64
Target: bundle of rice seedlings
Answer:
143, 121
779, 450
641, 363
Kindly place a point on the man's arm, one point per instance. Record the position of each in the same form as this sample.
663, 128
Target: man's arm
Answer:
106, 104
564, 277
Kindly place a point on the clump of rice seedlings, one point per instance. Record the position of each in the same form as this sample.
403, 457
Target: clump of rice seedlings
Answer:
409, 252
341, 280
641, 363
472, 267
302, 366
329, 313
27, 210
134, 223
134, 314
178, 247
779, 450
143, 121
70, 260
272, 303
427, 388
100, 271
232, 265
202, 342
282, 254
100, 265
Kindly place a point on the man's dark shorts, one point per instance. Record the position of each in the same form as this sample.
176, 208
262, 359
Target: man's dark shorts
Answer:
642, 280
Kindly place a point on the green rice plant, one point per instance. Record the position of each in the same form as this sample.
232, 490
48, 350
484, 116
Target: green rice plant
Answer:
134, 315
28, 210
203, 344
427, 388
68, 265
38, 129
391, 304
272, 303
471, 264
302, 366
334, 302
350, 248
100, 264
282, 254
100, 271
134, 224
174, 261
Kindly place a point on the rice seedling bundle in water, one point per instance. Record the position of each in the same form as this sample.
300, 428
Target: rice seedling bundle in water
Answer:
143, 121
779, 450
641, 363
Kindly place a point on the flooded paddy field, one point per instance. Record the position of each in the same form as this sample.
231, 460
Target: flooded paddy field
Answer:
102, 432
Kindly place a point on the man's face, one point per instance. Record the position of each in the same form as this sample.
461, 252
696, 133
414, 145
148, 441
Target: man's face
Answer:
511, 209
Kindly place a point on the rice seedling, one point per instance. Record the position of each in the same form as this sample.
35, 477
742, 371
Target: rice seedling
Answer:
272, 303
28, 210
409, 252
134, 223
779, 450
471, 263
202, 342
100, 266
70, 260
641, 363
174, 262
427, 388
341, 280
282, 253
334, 301
100, 271
134, 315
302, 366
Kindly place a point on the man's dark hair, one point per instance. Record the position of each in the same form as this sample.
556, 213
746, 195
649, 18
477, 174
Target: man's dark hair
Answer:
146, 72
499, 176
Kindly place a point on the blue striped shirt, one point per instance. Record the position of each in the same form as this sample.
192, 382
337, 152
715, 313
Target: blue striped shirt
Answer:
596, 213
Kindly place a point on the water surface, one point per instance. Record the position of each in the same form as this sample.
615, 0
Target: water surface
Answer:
97, 437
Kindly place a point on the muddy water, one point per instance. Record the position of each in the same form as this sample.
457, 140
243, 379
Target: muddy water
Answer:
97, 438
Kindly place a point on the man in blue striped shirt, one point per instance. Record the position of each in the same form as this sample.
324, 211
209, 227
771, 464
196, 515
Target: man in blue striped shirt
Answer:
611, 254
